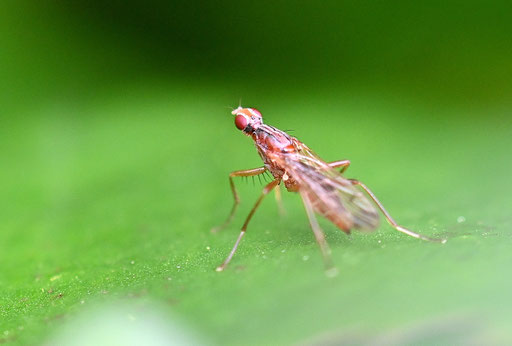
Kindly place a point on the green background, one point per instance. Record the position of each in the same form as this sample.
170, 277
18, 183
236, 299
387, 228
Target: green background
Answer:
116, 141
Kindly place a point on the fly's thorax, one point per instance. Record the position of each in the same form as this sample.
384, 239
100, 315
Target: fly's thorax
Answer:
272, 144
274, 163
270, 163
271, 139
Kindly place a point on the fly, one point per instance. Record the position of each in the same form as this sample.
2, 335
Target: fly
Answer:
323, 188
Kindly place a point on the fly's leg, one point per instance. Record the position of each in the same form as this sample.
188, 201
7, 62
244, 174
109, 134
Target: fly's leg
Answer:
330, 269
265, 191
279, 201
243, 173
341, 163
392, 222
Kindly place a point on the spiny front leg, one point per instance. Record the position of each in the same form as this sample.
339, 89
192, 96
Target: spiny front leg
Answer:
391, 221
265, 191
242, 173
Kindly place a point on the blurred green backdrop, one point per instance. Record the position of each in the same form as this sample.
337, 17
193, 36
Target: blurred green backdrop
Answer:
116, 141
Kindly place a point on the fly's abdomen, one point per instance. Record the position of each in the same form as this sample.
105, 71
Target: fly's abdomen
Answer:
331, 208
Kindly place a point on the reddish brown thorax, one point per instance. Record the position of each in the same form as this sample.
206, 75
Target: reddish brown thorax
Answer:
273, 139
271, 144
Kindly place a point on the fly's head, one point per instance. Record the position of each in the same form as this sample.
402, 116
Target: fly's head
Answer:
247, 119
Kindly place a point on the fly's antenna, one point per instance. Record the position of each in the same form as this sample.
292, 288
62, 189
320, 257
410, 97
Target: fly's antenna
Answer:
240, 103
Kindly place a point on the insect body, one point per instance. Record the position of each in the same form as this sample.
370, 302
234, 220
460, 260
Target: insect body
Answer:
322, 187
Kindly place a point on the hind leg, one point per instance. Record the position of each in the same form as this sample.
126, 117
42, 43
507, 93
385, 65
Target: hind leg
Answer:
341, 163
391, 221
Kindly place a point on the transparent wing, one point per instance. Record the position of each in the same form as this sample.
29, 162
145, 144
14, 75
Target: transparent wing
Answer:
332, 195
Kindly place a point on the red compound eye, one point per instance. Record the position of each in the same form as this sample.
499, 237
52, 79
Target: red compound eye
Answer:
240, 122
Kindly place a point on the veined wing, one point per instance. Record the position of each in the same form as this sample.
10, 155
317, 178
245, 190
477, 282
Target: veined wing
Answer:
331, 194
